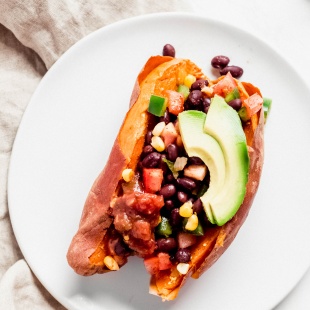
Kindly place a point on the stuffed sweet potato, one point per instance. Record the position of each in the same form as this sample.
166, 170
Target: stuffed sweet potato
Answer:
153, 198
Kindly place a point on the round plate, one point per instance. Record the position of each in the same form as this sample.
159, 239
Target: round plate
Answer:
66, 135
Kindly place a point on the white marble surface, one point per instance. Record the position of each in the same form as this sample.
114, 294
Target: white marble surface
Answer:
284, 25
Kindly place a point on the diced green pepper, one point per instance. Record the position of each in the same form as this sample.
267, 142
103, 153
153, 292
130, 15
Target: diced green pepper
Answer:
243, 114
183, 89
157, 105
234, 94
164, 228
267, 102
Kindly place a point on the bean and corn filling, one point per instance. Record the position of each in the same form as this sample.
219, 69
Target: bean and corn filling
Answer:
159, 214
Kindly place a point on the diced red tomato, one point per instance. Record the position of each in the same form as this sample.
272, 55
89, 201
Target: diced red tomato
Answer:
253, 104
175, 102
152, 264
160, 262
169, 134
225, 85
152, 179
164, 262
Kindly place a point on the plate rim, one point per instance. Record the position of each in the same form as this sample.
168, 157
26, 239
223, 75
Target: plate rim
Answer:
107, 28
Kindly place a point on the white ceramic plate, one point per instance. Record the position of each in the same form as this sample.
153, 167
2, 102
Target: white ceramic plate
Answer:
66, 135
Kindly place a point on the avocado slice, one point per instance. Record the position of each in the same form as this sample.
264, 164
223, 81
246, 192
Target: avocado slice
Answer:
197, 143
219, 140
224, 125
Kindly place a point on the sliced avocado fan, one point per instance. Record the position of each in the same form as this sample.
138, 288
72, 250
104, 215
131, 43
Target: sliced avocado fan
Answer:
219, 140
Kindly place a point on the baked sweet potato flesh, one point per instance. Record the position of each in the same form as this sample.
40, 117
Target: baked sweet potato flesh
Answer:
99, 235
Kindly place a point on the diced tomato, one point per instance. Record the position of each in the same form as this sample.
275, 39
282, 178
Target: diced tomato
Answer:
175, 102
169, 134
225, 85
160, 262
152, 264
253, 104
152, 179
164, 261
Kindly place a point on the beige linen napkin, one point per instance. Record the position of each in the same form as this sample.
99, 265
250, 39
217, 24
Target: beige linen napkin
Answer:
33, 35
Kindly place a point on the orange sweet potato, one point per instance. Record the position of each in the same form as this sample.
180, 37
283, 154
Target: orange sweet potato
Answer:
96, 234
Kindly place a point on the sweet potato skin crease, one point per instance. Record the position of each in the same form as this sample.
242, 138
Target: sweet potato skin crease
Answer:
89, 245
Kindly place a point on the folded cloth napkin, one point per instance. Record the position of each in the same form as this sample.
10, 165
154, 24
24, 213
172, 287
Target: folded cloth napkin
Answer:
33, 35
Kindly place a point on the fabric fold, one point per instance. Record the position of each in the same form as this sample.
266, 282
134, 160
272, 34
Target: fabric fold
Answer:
33, 35
51, 27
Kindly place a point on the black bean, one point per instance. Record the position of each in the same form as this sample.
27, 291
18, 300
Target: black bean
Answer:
148, 137
186, 183
162, 165
206, 102
172, 152
169, 178
194, 160
175, 218
182, 196
169, 50
235, 104
166, 244
167, 191
183, 255
235, 71
120, 248
151, 160
165, 118
197, 206
195, 99
199, 84
148, 149
220, 61
169, 204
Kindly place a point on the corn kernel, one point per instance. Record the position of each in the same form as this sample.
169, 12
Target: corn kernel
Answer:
192, 222
158, 144
158, 129
127, 175
182, 268
189, 80
110, 263
186, 210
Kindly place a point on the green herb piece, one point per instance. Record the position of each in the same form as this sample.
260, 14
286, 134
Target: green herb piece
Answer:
170, 165
234, 94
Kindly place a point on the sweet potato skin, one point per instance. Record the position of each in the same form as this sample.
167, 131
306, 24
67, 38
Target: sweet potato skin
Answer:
158, 74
